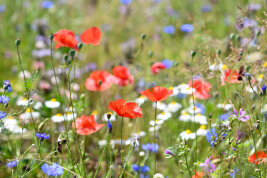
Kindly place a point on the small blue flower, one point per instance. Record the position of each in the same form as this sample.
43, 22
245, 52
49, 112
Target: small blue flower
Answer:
47, 4
4, 99
7, 86
206, 8
135, 167
169, 29
150, 147
42, 136
2, 115
53, 170
144, 169
126, 2
263, 88
167, 63
12, 164
224, 117
187, 28
212, 136
201, 107
2, 8
109, 126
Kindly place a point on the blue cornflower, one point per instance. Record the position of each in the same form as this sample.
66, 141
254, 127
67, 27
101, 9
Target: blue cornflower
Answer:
126, 2
206, 8
150, 147
169, 29
4, 99
224, 117
7, 86
109, 126
2, 115
2, 8
263, 88
212, 136
42, 136
201, 107
53, 170
187, 28
141, 169
167, 63
12, 164
47, 4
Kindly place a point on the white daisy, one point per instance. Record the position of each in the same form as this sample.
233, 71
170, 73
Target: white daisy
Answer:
214, 67
112, 118
202, 131
160, 105
249, 89
38, 105
174, 106
193, 109
57, 118
185, 135
224, 106
185, 117
164, 116
139, 134
151, 129
260, 77
11, 124
200, 119
157, 122
26, 117
264, 109
70, 116
95, 113
22, 101
184, 89
141, 100
53, 103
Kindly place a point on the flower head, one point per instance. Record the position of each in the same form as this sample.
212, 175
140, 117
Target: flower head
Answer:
2, 115
47, 4
53, 170
201, 88
91, 36
258, 158
167, 63
4, 99
150, 147
230, 76
125, 109
198, 175
65, 38
169, 29
157, 93
187, 28
126, 2
86, 125
241, 115
212, 136
7, 86
122, 76
12, 164
42, 136
208, 166
156, 67
99, 81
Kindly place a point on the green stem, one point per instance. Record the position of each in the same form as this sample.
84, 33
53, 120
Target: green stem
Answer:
127, 161
121, 141
155, 140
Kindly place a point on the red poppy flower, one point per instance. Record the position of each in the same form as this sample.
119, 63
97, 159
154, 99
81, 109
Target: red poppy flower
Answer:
86, 125
259, 159
91, 36
65, 38
122, 76
157, 93
201, 88
99, 81
198, 175
125, 109
156, 67
230, 76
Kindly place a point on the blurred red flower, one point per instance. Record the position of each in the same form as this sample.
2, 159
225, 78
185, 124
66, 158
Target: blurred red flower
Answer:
156, 67
91, 36
86, 125
157, 93
125, 109
259, 159
122, 76
230, 76
65, 38
198, 175
201, 88
99, 81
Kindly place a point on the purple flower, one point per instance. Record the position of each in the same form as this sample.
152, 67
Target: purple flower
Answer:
53, 170
47, 4
42, 136
4, 99
167, 63
169, 29
207, 165
7, 86
206, 8
126, 2
150, 147
212, 136
187, 28
2, 8
224, 117
168, 152
2, 115
241, 115
12, 164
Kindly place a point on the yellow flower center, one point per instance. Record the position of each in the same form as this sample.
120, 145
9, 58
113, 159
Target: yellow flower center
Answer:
203, 127
25, 99
163, 113
68, 113
28, 110
188, 132
173, 102
142, 96
224, 67
142, 164
261, 76
58, 114
265, 64
195, 108
11, 117
53, 100
198, 114
170, 88
109, 113
95, 112
185, 113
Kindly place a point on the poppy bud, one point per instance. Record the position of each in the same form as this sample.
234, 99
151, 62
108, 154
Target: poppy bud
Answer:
193, 53
51, 37
82, 96
72, 53
219, 52
210, 115
17, 42
80, 46
237, 37
232, 36
143, 36
108, 116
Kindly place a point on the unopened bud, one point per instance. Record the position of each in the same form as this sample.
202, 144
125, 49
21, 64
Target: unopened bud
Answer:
72, 53
51, 37
143, 36
17, 42
193, 53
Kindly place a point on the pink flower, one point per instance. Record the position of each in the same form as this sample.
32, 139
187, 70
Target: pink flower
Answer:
241, 115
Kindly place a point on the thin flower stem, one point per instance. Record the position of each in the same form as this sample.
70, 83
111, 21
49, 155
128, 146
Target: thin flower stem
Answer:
186, 162
154, 138
194, 113
121, 141
130, 154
